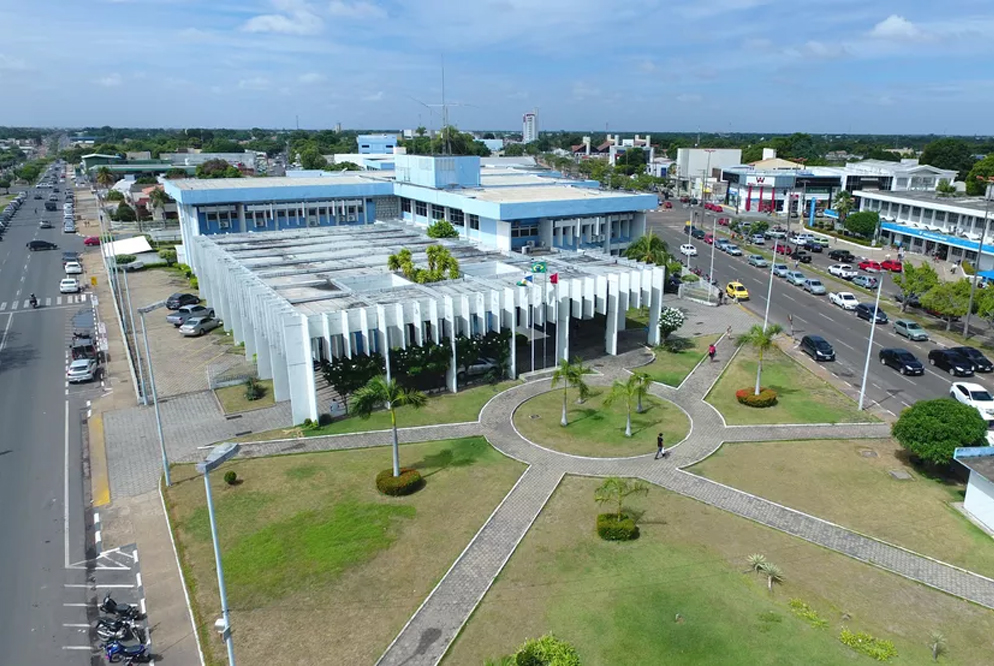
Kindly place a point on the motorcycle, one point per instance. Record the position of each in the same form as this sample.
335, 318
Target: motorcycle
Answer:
115, 652
119, 630
34, 302
123, 611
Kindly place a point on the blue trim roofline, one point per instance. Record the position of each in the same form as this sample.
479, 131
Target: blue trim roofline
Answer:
937, 237
265, 194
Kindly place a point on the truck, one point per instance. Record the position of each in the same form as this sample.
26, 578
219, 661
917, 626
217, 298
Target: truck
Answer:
83, 346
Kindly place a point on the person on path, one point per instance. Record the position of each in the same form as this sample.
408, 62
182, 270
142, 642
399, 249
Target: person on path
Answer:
660, 449
795, 264
711, 352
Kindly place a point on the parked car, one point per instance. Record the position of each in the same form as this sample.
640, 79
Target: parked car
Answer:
41, 245
780, 270
69, 286
91, 240
892, 265
757, 260
758, 239
81, 370
975, 396
195, 326
44, 224
952, 362
697, 233
901, 360
481, 367
844, 299
910, 329
178, 300
733, 250
869, 266
814, 287
688, 250
870, 312
73, 268
796, 278
980, 362
723, 222
913, 301
68, 255
708, 238
179, 317
842, 256
844, 271
813, 246
865, 281
722, 244
781, 249
737, 291
817, 348
801, 256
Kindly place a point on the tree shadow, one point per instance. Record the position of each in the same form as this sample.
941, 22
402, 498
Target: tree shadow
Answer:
448, 458
676, 345
951, 475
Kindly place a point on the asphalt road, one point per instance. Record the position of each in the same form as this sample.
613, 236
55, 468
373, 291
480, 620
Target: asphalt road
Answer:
816, 315
42, 524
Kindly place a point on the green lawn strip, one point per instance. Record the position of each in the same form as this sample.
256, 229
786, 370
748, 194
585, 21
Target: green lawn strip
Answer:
310, 534
595, 430
803, 397
672, 367
835, 481
679, 594
233, 400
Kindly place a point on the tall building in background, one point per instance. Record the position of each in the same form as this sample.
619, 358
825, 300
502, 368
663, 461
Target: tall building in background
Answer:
529, 127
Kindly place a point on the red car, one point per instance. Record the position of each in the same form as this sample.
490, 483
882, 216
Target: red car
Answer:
717, 208
892, 265
668, 204
869, 266
91, 240
709, 239
723, 221
782, 249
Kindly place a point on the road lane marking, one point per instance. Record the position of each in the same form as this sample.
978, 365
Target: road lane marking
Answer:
847, 346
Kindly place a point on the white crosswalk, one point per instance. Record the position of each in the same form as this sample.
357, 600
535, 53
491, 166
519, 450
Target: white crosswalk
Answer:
67, 299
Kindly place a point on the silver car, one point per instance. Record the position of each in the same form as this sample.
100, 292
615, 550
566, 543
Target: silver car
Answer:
910, 329
780, 270
196, 326
758, 261
814, 286
82, 370
796, 278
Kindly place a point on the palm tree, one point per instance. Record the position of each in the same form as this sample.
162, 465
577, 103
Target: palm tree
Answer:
843, 203
937, 644
378, 391
628, 391
104, 177
615, 489
773, 573
762, 340
158, 198
649, 249
756, 562
571, 374
642, 381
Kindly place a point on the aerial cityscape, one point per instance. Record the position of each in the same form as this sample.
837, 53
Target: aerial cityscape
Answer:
417, 334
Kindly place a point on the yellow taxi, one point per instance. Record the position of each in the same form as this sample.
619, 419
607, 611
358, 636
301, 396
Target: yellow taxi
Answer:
737, 291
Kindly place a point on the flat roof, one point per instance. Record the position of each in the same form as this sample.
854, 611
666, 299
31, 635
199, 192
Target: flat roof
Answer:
203, 184
979, 459
973, 203
552, 192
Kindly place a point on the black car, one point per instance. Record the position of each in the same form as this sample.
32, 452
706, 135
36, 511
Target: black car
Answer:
176, 301
38, 195
814, 246
902, 360
980, 362
801, 256
842, 256
817, 348
41, 245
697, 233
865, 311
952, 362
913, 301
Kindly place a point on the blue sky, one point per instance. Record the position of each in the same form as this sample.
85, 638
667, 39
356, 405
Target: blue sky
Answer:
676, 65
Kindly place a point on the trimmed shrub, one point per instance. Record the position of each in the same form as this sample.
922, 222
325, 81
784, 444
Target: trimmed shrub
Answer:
689, 278
230, 477
324, 419
546, 651
767, 397
410, 481
610, 528
253, 389
875, 648
194, 283
124, 259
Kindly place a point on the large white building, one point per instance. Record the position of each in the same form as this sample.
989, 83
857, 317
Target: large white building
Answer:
529, 127
698, 170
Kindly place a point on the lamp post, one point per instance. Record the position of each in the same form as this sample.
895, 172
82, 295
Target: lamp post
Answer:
769, 289
869, 346
980, 252
218, 456
155, 397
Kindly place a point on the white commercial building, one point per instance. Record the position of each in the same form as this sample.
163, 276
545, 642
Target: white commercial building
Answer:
693, 163
529, 127
300, 296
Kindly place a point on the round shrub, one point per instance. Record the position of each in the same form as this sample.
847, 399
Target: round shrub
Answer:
230, 477
410, 481
689, 277
546, 651
324, 419
124, 259
610, 528
767, 397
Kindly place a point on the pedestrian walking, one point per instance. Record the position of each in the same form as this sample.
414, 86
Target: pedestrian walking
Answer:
660, 449
711, 352
795, 264
790, 321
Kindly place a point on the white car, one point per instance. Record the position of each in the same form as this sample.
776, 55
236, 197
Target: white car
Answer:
844, 299
688, 250
976, 396
73, 268
844, 271
69, 286
82, 370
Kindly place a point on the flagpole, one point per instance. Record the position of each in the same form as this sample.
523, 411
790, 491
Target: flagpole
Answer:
545, 316
531, 313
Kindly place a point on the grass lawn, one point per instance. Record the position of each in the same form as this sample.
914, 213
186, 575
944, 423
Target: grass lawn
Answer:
595, 430
832, 480
672, 367
321, 568
232, 398
679, 595
804, 398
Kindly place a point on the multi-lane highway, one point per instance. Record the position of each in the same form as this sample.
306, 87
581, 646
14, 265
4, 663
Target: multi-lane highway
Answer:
816, 315
42, 494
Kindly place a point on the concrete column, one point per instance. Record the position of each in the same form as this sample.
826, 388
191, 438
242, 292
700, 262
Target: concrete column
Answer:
326, 333
384, 332
623, 293
263, 356
509, 316
399, 321
299, 372
562, 324
655, 305
346, 334
433, 318
611, 329
281, 378
250, 347
240, 208
237, 328
419, 324
449, 314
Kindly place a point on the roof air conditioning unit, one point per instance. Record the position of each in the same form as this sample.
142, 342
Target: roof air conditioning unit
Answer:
530, 244
525, 248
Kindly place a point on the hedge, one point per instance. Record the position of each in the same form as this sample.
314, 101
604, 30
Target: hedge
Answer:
610, 528
767, 397
410, 481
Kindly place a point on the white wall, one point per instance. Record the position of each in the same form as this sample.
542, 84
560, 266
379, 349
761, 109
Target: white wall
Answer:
980, 499
692, 162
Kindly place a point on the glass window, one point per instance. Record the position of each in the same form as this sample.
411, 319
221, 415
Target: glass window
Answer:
437, 212
456, 217
212, 217
224, 223
260, 222
474, 221
420, 208
405, 205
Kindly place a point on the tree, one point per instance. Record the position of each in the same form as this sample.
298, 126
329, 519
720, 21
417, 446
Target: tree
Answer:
217, 169
985, 305
158, 198
442, 229
571, 374
176, 173
125, 213
863, 223
5, 184
948, 299
378, 391
105, 178
348, 375
441, 265
115, 195
915, 281
514, 150
933, 429
773, 573
936, 644
616, 490
670, 319
843, 203
311, 158
649, 249
945, 188
762, 340
643, 382
632, 389
949, 154
979, 176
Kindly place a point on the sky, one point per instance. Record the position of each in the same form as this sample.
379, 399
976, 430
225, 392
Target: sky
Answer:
821, 66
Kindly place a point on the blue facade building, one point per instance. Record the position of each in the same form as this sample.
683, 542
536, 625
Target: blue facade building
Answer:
376, 144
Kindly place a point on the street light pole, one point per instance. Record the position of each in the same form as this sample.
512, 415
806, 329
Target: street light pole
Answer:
869, 346
714, 231
155, 397
769, 289
980, 252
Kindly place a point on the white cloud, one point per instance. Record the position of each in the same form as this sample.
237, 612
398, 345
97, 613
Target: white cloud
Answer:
689, 98
311, 77
11, 64
295, 18
356, 10
582, 90
110, 81
374, 97
897, 28
647, 65
254, 83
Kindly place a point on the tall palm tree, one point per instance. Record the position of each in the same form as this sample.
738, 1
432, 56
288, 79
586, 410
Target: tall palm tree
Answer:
570, 373
628, 391
615, 489
649, 249
762, 340
642, 383
843, 203
378, 391
104, 177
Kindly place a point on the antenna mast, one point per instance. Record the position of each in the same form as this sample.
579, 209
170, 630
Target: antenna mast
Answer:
445, 113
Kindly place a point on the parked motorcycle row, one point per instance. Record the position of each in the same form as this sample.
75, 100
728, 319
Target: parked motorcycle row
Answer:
123, 639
